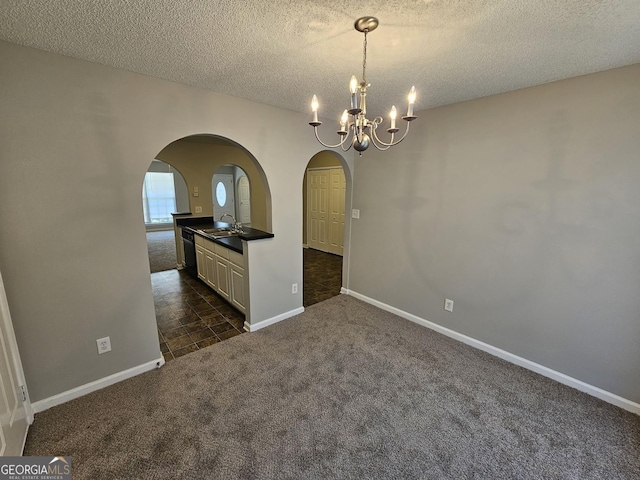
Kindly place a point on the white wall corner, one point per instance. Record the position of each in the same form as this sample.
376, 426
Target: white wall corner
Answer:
253, 327
594, 391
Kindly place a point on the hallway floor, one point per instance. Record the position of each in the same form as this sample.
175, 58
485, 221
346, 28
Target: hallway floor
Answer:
191, 316
322, 276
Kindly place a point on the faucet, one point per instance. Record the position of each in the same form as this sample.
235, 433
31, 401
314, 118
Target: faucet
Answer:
235, 225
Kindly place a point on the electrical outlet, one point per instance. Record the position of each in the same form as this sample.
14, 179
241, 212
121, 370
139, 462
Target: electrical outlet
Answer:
448, 305
198, 209
104, 345
294, 288
355, 213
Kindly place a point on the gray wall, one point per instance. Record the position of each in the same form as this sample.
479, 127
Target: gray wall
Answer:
76, 139
524, 209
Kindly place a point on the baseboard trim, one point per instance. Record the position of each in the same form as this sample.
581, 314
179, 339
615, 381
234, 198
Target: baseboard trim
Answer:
597, 392
253, 327
60, 398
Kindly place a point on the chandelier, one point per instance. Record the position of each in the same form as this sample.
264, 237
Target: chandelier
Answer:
355, 129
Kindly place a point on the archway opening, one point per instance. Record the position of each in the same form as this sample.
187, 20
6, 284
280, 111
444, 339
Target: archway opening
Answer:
200, 157
324, 200
231, 189
190, 313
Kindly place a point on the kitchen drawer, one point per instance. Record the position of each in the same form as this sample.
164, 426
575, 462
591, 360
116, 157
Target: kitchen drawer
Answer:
236, 258
209, 245
221, 251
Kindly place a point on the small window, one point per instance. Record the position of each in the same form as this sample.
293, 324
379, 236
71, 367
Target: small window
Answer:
221, 194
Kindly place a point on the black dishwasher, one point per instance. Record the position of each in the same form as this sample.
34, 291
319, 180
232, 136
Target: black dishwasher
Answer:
189, 253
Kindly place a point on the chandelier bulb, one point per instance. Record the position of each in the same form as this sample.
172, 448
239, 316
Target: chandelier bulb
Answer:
353, 85
412, 95
393, 114
412, 100
314, 108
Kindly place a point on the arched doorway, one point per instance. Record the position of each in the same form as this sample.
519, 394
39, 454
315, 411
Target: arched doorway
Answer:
189, 313
324, 217
231, 193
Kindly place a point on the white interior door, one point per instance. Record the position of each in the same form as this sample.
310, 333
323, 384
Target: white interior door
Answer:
15, 411
318, 207
223, 196
244, 201
337, 191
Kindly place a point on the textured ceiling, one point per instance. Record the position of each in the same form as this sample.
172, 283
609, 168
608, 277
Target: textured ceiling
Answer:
282, 52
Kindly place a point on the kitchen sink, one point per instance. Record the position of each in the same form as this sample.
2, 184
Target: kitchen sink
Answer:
222, 232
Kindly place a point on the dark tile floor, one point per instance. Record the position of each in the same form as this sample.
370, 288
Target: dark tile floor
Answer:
191, 316
322, 276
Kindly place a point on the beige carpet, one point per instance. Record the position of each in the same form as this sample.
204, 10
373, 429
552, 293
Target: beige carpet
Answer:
162, 250
344, 390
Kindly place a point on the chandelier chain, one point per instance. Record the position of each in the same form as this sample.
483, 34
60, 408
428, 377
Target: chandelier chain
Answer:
364, 58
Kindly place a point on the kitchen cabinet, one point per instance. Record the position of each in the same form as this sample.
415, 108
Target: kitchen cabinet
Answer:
223, 270
237, 287
210, 269
200, 263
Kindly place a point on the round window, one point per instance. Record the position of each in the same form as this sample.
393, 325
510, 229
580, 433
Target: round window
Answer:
221, 194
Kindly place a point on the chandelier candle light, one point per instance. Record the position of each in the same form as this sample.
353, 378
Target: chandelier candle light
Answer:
354, 124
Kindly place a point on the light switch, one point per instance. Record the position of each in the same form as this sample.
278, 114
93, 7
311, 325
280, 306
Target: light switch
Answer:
355, 213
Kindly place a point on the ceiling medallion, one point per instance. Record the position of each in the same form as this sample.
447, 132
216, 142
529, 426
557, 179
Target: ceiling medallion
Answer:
355, 129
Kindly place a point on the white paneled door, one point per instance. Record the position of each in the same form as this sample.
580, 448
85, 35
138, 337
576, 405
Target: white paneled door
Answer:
325, 209
244, 201
337, 189
317, 205
15, 411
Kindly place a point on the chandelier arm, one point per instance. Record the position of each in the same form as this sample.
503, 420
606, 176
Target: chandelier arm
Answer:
348, 136
315, 130
380, 145
382, 149
392, 143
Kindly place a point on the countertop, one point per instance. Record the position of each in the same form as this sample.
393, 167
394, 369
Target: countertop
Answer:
195, 225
